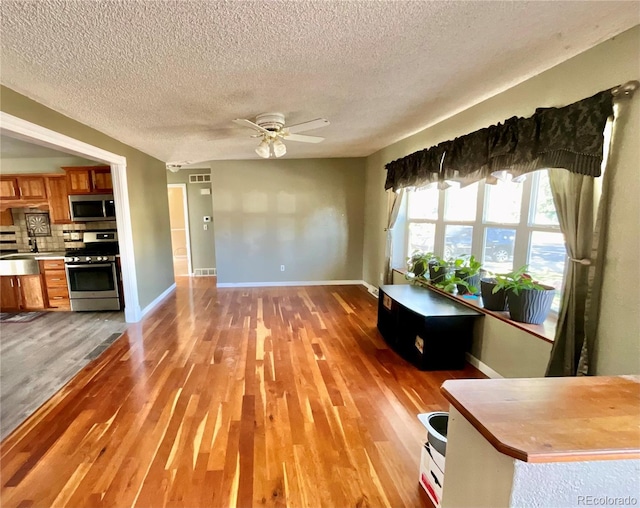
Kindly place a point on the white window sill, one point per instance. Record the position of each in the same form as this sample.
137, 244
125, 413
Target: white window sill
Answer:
546, 331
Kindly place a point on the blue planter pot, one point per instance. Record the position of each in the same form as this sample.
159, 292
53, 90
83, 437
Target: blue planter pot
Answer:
530, 305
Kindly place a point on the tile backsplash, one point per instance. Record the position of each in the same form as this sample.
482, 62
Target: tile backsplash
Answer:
63, 236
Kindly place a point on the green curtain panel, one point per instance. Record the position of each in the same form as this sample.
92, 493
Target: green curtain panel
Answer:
574, 197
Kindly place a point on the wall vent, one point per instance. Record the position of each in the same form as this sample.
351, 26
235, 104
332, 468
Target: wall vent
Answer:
202, 178
205, 272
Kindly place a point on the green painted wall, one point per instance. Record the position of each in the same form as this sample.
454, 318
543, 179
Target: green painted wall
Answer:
305, 214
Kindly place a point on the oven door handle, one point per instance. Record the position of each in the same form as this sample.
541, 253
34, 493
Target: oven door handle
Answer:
91, 265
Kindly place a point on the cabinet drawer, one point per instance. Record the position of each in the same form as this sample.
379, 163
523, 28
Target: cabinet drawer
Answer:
55, 293
56, 278
53, 264
59, 302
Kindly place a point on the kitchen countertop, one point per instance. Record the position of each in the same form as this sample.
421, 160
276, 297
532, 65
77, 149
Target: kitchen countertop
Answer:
553, 419
36, 255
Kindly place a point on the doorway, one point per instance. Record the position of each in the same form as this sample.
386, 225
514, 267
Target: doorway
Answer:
179, 221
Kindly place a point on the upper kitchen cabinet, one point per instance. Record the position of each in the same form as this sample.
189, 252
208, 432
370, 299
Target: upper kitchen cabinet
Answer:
9, 188
22, 187
32, 187
89, 179
58, 199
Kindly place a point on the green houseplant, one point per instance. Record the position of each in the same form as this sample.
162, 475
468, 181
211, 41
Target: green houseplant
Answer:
528, 300
438, 269
467, 268
418, 265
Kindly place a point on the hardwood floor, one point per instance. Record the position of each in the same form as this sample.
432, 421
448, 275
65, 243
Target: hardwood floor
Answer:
38, 358
233, 397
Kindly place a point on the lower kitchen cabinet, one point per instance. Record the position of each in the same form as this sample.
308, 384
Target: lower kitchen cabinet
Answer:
22, 292
56, 283
9, 294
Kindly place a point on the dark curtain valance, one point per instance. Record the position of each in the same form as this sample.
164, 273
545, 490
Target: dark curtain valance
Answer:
571, 137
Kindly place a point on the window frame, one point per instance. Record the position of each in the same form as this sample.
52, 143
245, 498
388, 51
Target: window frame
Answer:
523, 229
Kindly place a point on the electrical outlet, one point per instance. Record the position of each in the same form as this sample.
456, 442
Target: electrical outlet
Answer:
282, 268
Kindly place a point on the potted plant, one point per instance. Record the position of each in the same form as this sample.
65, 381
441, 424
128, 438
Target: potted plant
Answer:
451, 282
418, 266
492, 300
467, 268
528, 301
438, 269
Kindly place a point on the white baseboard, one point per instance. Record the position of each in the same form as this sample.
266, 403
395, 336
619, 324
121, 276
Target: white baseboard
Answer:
483, 367
157, 301
291, 283
373, 290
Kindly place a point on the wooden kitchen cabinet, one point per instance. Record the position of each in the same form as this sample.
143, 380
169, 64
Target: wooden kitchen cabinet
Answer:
58, 197
22, 187
9, 188
88, 179
9, 294
32, 187
21, 292
102, 180
32, 296
6, 218
55, 278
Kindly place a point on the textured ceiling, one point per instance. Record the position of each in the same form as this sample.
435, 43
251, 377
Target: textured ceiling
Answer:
168, 77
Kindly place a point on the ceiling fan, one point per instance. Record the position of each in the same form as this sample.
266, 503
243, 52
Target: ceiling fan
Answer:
271, 128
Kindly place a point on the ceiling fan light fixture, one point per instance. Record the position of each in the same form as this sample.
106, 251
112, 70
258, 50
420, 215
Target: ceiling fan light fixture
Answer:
263, 149
279, 148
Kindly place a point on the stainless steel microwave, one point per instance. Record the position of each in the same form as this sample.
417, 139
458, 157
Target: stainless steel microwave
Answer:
92, 207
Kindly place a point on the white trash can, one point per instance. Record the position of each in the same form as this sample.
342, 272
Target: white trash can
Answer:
432, 457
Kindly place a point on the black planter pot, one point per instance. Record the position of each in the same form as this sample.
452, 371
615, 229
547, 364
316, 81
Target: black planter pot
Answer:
437, 273
473, 280
530, 305
491, 301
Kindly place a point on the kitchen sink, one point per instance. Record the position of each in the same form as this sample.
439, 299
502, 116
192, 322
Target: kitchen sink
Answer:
23, 263
19, 266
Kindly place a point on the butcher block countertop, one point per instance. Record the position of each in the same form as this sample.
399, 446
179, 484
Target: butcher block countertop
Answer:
553, 419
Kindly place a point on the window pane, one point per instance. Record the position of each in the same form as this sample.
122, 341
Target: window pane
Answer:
423, 204
421, 237
502, 202
547, 257
457, 241
544, 211
499, 245
460, 204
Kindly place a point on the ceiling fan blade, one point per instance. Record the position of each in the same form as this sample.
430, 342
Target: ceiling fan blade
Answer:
248, 123
302, 138
307, 126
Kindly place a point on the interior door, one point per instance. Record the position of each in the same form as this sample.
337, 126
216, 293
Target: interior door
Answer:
179, 220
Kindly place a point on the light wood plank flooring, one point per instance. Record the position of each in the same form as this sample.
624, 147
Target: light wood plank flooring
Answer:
233, 397
39, 357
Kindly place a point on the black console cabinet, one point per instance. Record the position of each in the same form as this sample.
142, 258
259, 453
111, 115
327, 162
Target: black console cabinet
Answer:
430, 330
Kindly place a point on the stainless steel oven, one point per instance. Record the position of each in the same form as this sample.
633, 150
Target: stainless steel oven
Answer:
93, 286
92, 273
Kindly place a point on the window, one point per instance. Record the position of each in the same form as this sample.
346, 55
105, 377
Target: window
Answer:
505, 225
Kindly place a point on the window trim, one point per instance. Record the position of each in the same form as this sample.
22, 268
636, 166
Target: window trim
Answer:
524, 229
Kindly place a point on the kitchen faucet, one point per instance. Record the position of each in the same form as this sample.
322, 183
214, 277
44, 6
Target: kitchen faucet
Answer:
33, 245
